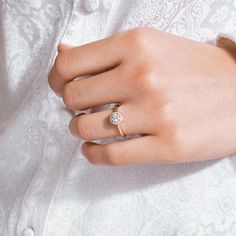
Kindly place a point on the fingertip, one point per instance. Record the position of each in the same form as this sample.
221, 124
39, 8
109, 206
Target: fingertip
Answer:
82, 149
73, 126
62, 47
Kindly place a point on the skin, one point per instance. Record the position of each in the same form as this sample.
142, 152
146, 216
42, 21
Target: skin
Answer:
179, 94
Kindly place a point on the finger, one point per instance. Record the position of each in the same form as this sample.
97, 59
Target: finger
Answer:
97, 125
62, 47
146, 149
87, 59
105, 88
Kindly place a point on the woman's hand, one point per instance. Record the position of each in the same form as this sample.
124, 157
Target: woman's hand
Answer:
180, 94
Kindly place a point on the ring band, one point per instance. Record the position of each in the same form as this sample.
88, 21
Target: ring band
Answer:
115, 118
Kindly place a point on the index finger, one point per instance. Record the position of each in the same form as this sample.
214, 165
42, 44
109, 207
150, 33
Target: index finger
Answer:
91, 58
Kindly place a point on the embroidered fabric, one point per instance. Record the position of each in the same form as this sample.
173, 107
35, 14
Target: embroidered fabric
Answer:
47, 187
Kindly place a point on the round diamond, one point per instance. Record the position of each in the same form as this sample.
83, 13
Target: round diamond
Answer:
116, 117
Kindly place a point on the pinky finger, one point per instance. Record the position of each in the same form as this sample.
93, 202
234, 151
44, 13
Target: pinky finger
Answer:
146, 149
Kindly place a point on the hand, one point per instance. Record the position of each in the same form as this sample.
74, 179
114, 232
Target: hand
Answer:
179, 94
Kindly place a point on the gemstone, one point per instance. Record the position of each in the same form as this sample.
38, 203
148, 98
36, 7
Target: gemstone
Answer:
116, 117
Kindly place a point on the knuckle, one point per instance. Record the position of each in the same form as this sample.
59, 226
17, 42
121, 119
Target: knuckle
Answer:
145, 71
92, 158
177, 151
146, 78
72, 93
113, 157
138, 34
84, 128
182, 144
61, 64
171, 148
68, 96
139, 38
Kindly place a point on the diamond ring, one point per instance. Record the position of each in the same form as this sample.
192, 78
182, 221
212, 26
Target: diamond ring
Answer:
115, 118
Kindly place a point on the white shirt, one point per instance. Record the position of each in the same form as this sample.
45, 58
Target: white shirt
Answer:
47, 187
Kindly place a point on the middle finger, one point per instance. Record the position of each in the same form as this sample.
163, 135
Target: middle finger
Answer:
105, 88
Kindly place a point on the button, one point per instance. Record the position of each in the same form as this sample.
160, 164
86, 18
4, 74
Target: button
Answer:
28, 232
91, 5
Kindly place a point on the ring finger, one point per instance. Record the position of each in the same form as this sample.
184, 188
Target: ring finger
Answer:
97, 125
96, 90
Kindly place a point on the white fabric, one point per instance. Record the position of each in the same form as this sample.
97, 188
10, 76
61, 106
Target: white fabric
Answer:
46, 186
229, 36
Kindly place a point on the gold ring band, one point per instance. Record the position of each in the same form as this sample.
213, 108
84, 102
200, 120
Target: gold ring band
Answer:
121, 131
